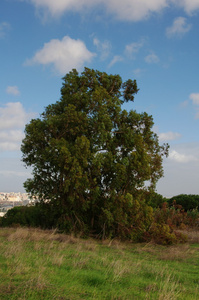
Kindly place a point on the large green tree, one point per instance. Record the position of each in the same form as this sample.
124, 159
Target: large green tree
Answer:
92, 160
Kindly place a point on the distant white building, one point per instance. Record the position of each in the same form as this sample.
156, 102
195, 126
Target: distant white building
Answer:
14, 198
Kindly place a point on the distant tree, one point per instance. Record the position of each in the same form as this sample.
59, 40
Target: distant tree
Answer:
91, 159
188, 202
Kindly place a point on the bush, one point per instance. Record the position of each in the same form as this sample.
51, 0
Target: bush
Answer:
126, 217
23, 215
162, 234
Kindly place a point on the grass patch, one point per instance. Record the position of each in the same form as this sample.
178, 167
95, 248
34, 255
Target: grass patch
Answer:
37, 264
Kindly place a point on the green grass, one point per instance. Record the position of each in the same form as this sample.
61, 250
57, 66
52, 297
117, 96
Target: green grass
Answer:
36, 264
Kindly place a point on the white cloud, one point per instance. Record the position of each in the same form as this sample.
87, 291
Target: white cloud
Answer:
13, 90
64, 55
127, 10
152, 58
178, 28
190, 6
135, 10
133, 48
181, 158
169, 136
4, 27
195, 98
15, 135
12, 115
103, 47
116, 58
58, 7
12, 121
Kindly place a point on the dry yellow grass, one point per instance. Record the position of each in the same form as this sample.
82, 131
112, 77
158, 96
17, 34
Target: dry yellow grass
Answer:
192, 235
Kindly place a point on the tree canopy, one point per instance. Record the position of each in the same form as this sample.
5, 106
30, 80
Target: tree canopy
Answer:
188, 202
92, 160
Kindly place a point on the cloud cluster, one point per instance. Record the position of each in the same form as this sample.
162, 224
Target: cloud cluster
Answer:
130, 52
12, 120
128, 10
69, 53
178, 28
64, 55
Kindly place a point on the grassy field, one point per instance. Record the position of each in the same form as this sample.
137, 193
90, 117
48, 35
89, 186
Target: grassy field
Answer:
36, 264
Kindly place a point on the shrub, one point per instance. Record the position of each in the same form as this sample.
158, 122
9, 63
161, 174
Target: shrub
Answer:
162, 234
127, 217
173, 216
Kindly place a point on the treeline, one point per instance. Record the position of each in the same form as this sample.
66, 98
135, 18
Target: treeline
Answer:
187, 202
163, 218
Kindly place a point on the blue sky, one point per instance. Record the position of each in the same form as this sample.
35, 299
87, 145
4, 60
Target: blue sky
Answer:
155, 42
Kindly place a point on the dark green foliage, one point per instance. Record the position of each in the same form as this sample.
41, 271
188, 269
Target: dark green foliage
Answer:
188, 202
91, 159
24, 216
41, 215
154, 199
